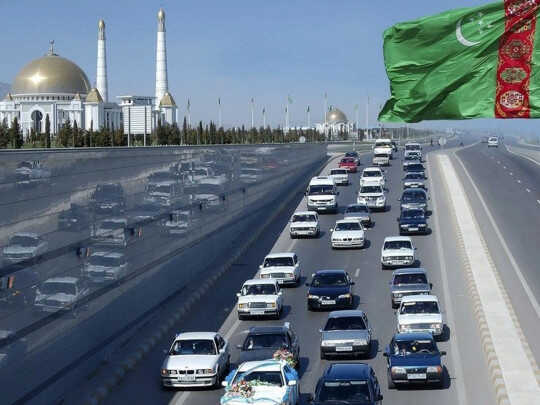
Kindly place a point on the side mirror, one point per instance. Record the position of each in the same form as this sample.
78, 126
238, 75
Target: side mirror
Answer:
224, 383
292, 383
280, 293
399, 199
331, 229
307, 284
238, 295
397, 219
352, 282
222, 350
443, 353
320, 330
260, 266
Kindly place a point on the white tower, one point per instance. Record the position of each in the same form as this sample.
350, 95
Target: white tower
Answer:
101, 76
162, 85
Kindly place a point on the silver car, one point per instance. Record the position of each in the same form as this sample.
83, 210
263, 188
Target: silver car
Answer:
346, 333
408, 281
360, 211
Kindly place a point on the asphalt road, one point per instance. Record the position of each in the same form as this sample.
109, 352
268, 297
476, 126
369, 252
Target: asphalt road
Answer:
467, 380
510, 187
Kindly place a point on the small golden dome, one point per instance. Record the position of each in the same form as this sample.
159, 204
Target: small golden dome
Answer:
161, 14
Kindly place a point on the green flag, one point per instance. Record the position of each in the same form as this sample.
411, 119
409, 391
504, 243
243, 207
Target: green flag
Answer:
469, 63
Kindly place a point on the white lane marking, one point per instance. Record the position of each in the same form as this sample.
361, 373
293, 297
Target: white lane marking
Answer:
522, 156
511, 174
230, 332
513, 262
538, 201
357, 273
519, 181
517, 371
498, 162
504, 167
454, 344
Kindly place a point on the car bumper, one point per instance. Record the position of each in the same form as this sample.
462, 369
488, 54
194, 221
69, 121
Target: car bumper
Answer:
348, 244
322, 208
295, 232
397, 263
422, 379
342, 182
329, 304
413, 229
101, 278
433, 331
351, 169
174, 382
343, 350
258, 312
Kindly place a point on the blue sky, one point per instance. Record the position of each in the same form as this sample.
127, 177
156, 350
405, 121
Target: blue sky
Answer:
234, 49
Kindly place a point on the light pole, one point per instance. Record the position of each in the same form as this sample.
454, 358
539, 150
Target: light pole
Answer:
264, 117
219, 112
308, 117
189, 112
252, 112
367, 119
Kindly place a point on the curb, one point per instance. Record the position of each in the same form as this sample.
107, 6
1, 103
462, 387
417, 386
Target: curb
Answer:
115, 378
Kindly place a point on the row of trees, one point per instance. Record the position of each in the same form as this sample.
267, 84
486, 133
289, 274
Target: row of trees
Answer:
70, 135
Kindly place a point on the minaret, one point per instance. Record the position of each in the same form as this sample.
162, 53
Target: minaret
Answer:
101, 76
162, 85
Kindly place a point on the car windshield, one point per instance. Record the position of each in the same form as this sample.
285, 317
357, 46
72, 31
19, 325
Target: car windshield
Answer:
53, 287
330, 280
381, 155
345, 323
347, 160
356, 392
351, 154
398, 244
159, 188
416, 167
371, 173
407, 347
304, 218
259, 289
26, 241
418, 278
321, 190
412, 147
160, 176
249, 171
265, 341
265, 377
371, 190
357, 209
112, 225
348, 226
193, 346
412, 214
419, 307
414, 176
419, 196
338, 171
278, 261
105, 261
200, 172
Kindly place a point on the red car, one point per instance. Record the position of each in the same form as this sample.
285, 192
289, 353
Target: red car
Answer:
349, 164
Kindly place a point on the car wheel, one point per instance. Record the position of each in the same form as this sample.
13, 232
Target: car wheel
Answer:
241, 317
383, 267
391, 384
293, 236
217, 383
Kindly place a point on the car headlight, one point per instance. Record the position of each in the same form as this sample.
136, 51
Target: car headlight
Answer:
205, 371
398, 295
422, 225
398, 370
242, 306
271, 305
313, 297
326, 343
409, 257
404, 328
345, 296
434, 369
312, 228
437, 325
403, 226
360, 342
165, 372
380, 199
265, 275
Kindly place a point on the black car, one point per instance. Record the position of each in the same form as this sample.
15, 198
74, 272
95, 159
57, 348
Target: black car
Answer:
413, 358
412, 220
414, 167
74, 218
414, 198
330, 289
262, 342
347, 383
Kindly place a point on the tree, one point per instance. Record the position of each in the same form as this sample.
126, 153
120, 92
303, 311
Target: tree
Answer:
183, 138
200, 131
47, 132
75, 132
15, 134
90, 134
65, 134
4, 134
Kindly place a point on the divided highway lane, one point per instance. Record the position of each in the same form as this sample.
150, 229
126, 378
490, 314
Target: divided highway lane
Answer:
510, 187
467, 381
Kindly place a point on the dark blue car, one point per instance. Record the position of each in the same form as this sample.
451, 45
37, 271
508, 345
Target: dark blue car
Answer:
330, 289
412, 220
347, 383
413, 358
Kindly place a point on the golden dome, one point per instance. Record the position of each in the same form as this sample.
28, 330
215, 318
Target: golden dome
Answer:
335, 115
50, 74
161, 14
167, 100
101, 24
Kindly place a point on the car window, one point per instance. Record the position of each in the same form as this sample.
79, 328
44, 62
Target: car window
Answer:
278, 261
371, 189
407, 347
419, 307
304, 218
348, 226
344, 391
330, 280
345, 323
398, 244
259, 289
418, 278
273, 378
193, 346
266, 341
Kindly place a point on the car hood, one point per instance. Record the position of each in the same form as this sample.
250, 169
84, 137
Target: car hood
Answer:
365, 195
357, 215
410, 288
412, 221
321, 197
398, 252
329, 291
406, 319
303, 224
19, 249
257, 298
262, 395
256, 355
347, 234
62, 298
411, 181
277, 269
345, 334
190, 362
418, 360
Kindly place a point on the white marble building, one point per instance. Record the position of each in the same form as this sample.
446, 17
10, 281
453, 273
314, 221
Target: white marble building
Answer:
336, 123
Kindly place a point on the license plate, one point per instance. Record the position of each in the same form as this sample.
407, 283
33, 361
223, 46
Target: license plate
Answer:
413, 229
257, 311
186, 378
328, 302
344, 349
416, 376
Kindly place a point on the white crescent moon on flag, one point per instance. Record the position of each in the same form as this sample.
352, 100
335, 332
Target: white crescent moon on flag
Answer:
459, 34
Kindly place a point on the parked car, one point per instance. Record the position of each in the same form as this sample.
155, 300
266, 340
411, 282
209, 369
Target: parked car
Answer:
304, 223
347, 233
408, 281
283, 267
260, 297
330, 289
414, 358
347, 383
74, 218
420, 313
359, 211
24, 247
196, 359
412, 221
346, 333
397, 251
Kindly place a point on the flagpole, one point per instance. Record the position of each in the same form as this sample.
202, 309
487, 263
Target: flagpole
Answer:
264, 117
357, 112
219, 112
367, 119
325, 111
252, 112
189, 113
308, 117
286, 118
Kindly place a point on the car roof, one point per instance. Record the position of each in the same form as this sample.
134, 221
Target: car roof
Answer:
259, 281
262, 365
278, 254
413, 336
345, 313
409, 270
114, 255
62, 280
330, 272
347, 220
416, 298
347, 371
194, 335
397, 238
305, 213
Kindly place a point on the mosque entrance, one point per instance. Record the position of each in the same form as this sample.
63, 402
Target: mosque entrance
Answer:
37, 117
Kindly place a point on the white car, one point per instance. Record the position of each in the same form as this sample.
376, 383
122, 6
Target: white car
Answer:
284, 267
304, 223
372, 196
493, 141
24, 246
381, 159
270, 382
60, 294
420, 313
105, 266
372, 176
397, 251
260, 297
178, 224
111, 231
340, 176
348, 232
322, 194
196, 359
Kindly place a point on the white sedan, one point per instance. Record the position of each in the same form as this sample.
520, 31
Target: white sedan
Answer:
347, 233
397, 251
260, 297
284, 267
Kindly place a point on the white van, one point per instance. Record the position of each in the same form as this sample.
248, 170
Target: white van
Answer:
383, 146
493, 141
322, 194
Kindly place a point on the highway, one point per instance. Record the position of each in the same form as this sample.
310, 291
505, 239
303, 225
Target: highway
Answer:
467, 377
